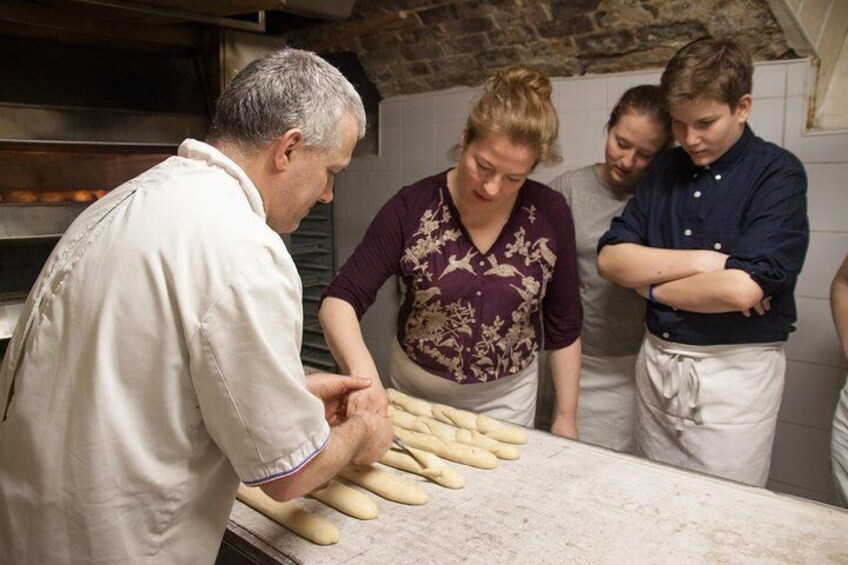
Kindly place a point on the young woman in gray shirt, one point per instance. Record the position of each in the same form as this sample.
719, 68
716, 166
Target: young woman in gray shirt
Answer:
613, 316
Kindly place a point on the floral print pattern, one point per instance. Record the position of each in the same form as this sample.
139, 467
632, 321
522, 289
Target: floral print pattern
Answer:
447, 326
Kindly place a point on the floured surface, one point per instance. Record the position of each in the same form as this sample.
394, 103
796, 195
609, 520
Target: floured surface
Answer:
565, 502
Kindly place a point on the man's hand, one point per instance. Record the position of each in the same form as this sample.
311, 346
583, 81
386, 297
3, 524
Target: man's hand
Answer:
371, 399
377, 438
760, 308
334, 391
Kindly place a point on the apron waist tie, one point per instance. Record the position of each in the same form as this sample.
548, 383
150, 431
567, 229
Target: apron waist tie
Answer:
682, 384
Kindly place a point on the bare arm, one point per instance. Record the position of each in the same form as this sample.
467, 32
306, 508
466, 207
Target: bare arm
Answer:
344, 337
565, 369
839, 304
361, 439
729, 290
631, 265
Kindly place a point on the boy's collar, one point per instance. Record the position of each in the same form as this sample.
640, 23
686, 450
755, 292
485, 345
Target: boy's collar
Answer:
730, 156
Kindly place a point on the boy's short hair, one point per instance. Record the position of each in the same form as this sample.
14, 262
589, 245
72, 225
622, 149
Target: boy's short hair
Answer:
708, 68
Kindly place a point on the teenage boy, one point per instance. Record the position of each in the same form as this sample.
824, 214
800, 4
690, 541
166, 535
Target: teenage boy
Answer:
714, 240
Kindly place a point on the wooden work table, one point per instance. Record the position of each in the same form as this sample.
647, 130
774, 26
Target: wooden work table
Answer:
567, 502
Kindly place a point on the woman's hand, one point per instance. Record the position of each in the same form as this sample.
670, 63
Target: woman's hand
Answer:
335, 391
370, 399
564, 427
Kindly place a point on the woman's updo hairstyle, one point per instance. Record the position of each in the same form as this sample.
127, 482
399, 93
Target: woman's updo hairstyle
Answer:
516, 103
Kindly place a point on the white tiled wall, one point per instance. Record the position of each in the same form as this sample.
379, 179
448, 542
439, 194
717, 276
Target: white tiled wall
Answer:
416, 132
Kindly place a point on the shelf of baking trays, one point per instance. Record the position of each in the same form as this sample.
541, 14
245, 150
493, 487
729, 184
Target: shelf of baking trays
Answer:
37, 221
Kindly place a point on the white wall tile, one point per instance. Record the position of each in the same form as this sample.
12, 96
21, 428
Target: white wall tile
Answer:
419, 142
561, 85
815, 339
391, 149
447, 135
419, 110
796, 77
802, 457
827, 196
351, 188
391, 112
379, 329
414, 175
365, 163
360, 206
545, 175
341, 195
810, 394
767, 119
343, 247
582, 137
384, 186
769, 80
374, 326
618, 84
454, 105
582, 94
389, 303
825, 254
812, 147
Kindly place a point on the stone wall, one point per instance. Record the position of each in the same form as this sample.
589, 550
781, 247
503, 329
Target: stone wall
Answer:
444, 43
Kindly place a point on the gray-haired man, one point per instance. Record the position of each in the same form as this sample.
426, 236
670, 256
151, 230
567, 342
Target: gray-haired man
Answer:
156, 364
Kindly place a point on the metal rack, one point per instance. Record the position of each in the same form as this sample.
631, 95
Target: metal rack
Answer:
311, 247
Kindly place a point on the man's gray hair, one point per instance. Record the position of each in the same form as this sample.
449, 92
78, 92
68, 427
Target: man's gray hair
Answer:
284, 90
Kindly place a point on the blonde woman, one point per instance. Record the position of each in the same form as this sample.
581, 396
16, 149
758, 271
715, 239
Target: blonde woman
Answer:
487, 259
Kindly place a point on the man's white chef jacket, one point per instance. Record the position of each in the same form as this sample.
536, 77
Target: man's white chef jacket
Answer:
155, 365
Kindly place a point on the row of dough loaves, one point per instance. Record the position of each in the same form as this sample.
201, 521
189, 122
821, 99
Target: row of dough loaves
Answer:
429, 432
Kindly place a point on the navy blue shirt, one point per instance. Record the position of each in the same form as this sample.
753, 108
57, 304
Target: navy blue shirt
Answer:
751, 204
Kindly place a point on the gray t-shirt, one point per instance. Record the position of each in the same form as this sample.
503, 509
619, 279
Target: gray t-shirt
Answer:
613, 316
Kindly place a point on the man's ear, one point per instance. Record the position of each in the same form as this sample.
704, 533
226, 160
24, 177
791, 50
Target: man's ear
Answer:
743, 108
286, 147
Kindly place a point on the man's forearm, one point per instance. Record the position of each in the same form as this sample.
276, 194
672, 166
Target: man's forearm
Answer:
729, 290
633, 266
347, 440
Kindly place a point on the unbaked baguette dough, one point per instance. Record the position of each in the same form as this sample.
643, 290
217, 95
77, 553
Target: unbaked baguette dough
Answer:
403, 419
479, 422
310, 526
408, 403
459, 452
450, 433
385, 484
501, 450
425, 464
486, 425
508, 435
346, 499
